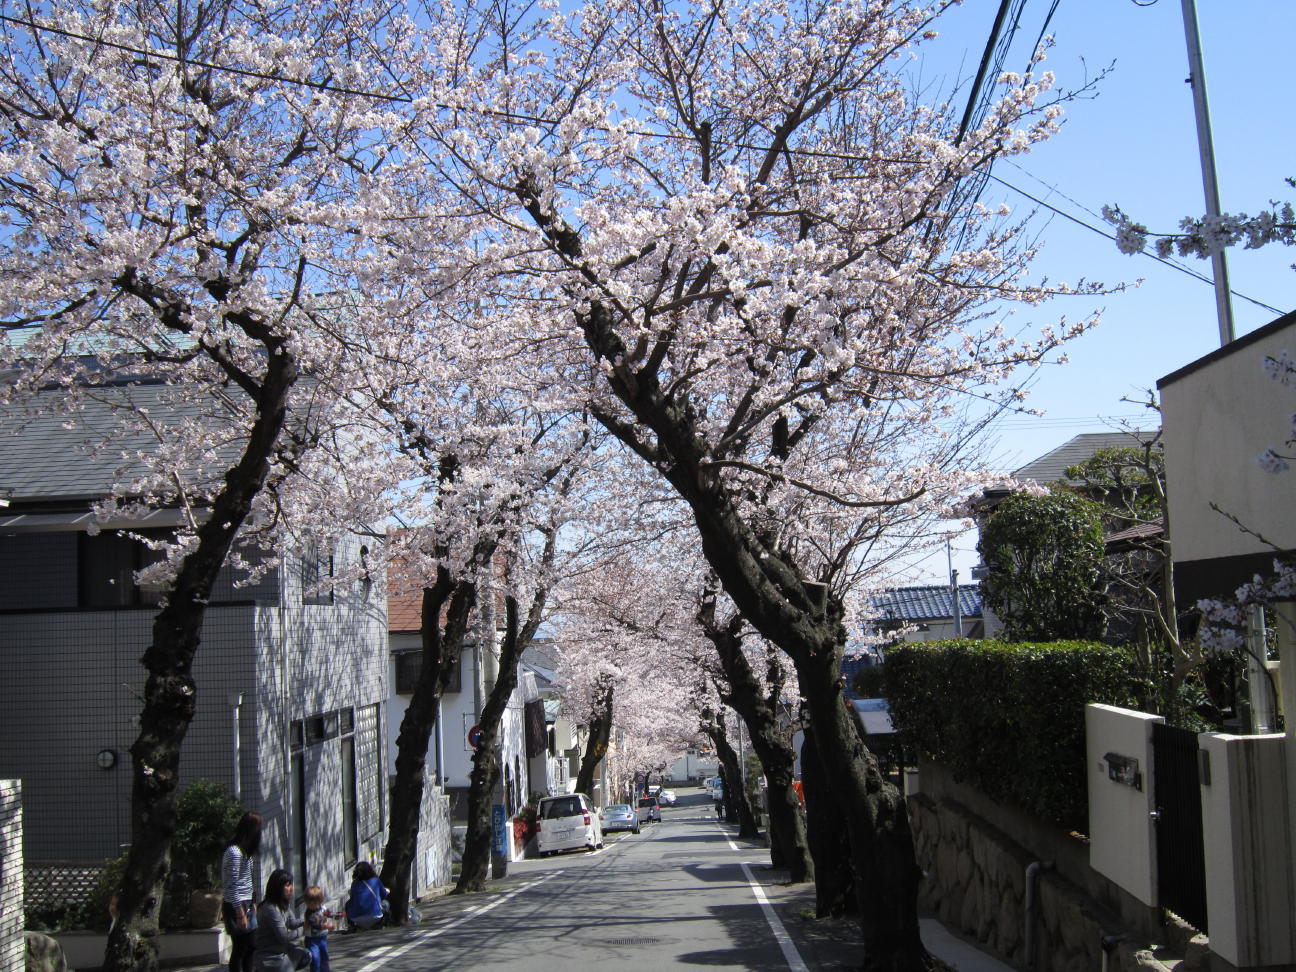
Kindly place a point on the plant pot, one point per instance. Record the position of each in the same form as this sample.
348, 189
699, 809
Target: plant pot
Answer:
204, 909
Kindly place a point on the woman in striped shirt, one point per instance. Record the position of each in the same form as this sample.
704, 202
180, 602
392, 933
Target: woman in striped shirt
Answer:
238, 903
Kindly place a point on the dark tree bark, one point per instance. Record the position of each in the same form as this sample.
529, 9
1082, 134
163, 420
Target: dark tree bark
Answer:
446, 608
600, 731
789, 847
170, 693
738, 808
794, 611
829, 844
475, 869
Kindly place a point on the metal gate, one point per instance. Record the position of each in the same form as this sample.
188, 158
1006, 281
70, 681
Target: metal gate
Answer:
1181, 858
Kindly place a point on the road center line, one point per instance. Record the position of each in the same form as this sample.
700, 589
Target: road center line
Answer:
396, 950
790, 954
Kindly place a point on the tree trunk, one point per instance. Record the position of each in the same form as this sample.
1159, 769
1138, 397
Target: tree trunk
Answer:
600, 731
170, 692
795, 612
738, 808
828, 840
475, 870
442, 648
789, 847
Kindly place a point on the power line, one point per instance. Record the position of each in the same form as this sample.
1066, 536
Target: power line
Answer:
540, 120
1102, 232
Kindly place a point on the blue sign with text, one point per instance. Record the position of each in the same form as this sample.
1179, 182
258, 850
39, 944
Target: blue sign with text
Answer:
498, 821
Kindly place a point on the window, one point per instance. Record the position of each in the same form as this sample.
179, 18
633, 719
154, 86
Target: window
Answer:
369, 772
298, 789
351, 843
316, 576
321, 727
107, 563
408, 666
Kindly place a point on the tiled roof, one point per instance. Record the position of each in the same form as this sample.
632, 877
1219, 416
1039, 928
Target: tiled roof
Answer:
42, 459
1051, 467
405, 612
925, 603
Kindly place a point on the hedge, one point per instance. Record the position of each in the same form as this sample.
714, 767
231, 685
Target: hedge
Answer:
1008, 719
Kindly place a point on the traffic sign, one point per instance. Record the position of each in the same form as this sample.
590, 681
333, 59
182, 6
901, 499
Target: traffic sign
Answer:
475, 737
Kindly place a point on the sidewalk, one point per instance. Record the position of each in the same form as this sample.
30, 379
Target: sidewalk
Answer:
834, 943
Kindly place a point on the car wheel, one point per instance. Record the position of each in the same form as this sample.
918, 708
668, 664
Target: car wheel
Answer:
600, 845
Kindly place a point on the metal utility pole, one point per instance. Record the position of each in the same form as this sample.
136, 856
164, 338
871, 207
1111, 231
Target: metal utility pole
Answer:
954, 592
1206, 149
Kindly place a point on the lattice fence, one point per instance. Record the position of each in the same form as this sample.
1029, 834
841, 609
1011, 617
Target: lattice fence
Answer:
56, 884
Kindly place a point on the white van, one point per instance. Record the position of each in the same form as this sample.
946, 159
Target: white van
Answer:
564, 822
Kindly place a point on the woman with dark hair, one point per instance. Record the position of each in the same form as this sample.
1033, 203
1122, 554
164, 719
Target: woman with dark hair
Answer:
238, 901
367, 906
277, 929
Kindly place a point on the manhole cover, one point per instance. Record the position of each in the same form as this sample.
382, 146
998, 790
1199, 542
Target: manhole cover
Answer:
631, 941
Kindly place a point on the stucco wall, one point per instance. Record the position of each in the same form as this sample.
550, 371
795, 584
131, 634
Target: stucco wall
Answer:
1218, 416
1248, 856
1121, 829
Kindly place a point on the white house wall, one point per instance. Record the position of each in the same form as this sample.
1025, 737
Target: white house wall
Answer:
1218, 417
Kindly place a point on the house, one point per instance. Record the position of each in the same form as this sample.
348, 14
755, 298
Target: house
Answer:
291, 676
926, 613
524, 733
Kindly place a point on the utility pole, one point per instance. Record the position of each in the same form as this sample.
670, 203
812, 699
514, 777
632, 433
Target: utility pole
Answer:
1206, 149
954, 592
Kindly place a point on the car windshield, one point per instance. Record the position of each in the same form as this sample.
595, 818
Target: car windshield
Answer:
566, 807
617, 808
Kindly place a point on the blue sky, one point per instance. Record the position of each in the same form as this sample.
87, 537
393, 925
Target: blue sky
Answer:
1134, 144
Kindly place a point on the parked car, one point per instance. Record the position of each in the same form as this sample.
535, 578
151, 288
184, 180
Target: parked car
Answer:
666, 798
565, 822
649, 810
619, 816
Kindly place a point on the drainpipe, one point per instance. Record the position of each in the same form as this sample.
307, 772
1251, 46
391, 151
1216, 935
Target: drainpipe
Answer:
235, 701
1032, 902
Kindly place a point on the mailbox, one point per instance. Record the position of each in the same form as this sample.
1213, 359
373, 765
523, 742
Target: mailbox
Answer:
1123, 770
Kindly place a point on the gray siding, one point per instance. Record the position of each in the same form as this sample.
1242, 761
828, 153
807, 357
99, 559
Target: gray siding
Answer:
73, 690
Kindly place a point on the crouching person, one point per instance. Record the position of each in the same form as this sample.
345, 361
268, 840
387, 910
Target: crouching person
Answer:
367, 907
278, 929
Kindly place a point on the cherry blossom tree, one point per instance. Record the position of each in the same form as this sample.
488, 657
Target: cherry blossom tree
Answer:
171, 220
744, 221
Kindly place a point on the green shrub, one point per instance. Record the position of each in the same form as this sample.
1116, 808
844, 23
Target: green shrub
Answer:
1008, 719
94, 912
207, 816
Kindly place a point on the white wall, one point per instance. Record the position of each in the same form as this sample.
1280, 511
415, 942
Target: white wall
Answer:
1230, 411
1121, 829
1248, 866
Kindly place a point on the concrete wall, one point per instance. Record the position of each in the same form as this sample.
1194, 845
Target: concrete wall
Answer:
1249, 890
12, 957
1121, 828
1227, 407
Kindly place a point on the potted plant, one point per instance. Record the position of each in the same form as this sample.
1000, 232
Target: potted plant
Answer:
207, 815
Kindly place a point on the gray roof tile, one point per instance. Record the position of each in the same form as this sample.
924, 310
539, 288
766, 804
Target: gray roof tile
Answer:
925, 603
1051, 467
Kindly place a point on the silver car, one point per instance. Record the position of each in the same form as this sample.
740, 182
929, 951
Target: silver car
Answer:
619, 816
649, 810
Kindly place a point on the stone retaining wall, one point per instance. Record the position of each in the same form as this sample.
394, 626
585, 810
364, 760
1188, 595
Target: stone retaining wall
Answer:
975, 881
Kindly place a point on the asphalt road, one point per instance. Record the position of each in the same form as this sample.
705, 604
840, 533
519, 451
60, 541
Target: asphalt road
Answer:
678, 894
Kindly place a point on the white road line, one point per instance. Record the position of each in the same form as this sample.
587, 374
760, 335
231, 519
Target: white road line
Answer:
394, 951
790, 954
